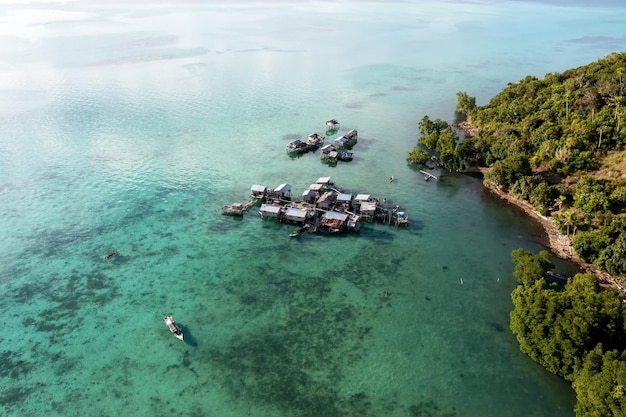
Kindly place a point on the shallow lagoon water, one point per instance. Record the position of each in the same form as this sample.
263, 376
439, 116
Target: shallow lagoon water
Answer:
127, 126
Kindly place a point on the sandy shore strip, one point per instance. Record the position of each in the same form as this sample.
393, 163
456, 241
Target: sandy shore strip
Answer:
559, 244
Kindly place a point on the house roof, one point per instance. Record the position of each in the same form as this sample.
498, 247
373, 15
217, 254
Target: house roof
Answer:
368, 206
296, 212
335, 215
283, 188
323, 180
344, 197
362, 197
259, 188
270, 208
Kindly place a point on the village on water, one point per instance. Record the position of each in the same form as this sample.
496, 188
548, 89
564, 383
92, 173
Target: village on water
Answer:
322, 207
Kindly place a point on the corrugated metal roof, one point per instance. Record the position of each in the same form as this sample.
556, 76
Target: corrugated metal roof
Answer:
283, 188
335, 215
259, 188
270, 208
295, 212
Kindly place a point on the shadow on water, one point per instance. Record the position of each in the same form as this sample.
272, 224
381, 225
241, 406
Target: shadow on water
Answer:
189, 337
118, 260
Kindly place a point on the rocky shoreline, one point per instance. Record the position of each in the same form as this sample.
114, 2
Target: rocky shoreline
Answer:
559, 244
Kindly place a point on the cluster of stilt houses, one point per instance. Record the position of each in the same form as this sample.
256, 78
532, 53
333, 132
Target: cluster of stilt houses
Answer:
322, 208
338, 150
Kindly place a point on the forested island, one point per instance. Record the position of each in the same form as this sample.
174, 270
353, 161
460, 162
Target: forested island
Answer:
558, 144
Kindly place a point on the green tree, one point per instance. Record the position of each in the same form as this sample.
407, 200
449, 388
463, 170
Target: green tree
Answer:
465, 104
529, 267
418, 155
542, 196
601, 385
589, 243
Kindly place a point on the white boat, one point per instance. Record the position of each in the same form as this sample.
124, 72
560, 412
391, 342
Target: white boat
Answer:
171, 324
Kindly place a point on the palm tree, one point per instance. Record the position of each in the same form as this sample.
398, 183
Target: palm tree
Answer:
569, 219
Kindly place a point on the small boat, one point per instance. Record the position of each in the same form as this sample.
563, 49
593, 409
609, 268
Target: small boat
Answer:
559, 277
171, 324
299, 231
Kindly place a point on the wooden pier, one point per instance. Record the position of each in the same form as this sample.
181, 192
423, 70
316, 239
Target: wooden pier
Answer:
428, 175
237, 209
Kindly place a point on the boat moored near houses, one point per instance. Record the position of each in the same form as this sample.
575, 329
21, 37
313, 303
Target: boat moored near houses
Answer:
301, 230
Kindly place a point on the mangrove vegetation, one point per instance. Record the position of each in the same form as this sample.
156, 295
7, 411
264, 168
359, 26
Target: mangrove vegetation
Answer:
559, 143
576, 331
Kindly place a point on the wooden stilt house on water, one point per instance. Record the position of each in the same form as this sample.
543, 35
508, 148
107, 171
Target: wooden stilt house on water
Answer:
325, 182
271, 210
368, 210
332, 124
281, 193
310, 196
401, 218
326, 200
259, 191
298, 215
336, 222
343, 202
235, 209
329, 154
346, 141
361, 198
314, 140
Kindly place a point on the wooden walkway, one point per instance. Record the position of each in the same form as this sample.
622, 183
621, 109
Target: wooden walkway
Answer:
428, 175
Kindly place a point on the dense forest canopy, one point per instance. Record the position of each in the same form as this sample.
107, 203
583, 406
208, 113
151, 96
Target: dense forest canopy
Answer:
558, 142
576, 331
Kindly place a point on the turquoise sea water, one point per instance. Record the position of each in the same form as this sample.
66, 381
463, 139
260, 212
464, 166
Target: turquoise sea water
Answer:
126, 126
